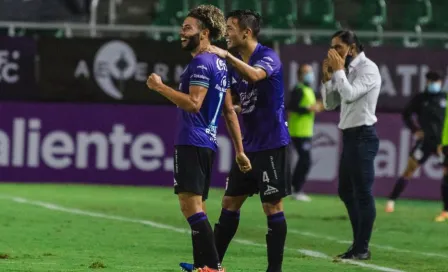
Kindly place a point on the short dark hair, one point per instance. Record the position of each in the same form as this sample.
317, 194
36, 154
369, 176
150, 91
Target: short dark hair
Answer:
433, 76
349, 37
247, 19
301, 67
211, 18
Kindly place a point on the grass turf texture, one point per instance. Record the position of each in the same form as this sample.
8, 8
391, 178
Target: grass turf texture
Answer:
35, 238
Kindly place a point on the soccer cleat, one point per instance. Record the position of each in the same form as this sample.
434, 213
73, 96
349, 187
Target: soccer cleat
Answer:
390, 206
206, 269
186, 267
301, 197
442, 217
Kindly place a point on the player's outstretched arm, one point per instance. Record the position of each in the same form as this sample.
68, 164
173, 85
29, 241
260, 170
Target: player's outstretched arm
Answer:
249, 73
233, 126
188, 102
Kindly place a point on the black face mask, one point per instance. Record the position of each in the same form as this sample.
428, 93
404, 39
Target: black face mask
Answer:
348, 59
193, 43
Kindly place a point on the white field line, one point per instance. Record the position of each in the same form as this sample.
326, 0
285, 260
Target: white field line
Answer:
385, 247
306, 252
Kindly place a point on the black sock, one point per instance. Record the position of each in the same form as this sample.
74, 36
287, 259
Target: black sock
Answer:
203, 240
198, 259
225, 229
445, 193
275, 241
400, 185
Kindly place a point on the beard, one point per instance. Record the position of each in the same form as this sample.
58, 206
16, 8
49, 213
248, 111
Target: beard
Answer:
192, 44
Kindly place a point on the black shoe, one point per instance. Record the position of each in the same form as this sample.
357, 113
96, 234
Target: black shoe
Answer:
351, 255
347, 255
362, 256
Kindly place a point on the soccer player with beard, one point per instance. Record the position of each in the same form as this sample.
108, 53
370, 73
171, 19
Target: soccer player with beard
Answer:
257, 78
203, 94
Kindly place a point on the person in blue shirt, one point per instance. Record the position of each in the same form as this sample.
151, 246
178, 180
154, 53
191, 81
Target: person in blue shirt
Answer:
257, 80
203, 95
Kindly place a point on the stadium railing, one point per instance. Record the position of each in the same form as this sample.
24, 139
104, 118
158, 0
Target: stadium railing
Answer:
92, 30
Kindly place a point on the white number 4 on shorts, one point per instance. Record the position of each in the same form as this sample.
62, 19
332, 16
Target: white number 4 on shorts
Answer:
265, 177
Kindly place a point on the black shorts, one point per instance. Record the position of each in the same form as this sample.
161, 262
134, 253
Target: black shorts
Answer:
193, 169
422, 150
269, 176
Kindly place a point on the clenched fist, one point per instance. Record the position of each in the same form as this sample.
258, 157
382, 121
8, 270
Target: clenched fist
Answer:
243, 162
154, 82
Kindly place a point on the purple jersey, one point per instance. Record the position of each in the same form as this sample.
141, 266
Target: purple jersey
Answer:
262, 103
199, 129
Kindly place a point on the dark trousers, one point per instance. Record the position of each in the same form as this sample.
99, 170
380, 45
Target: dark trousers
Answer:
303, 148
356, 177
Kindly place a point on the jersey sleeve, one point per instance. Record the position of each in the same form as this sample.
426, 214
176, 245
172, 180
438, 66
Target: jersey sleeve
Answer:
200, 72
269, 62
231, 79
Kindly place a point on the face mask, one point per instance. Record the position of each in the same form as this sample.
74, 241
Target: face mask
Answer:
348, 59
434, 87
308, 78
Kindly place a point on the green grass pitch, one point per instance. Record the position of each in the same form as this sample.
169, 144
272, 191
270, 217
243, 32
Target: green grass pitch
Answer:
102, 228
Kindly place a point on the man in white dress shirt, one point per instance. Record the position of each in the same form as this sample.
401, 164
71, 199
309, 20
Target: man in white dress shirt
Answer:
353, 82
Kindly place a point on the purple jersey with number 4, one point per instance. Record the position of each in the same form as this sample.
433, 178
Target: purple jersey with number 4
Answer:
199, 129
262, 103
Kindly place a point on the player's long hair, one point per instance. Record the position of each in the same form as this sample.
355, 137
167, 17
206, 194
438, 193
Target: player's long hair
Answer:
212, 19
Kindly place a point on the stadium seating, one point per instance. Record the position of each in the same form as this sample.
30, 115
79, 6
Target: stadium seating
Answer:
282, 15
169, 13
317, 14
371, 16
412, 16
416, 14
439, 16
248, 4
218, 3
439, 22
320, 14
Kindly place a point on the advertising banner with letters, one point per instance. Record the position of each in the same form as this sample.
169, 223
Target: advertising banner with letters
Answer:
108, 70
123, 144
105, 70
402, 69
17, 73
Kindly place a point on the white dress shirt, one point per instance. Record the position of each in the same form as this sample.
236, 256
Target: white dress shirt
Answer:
357, 93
